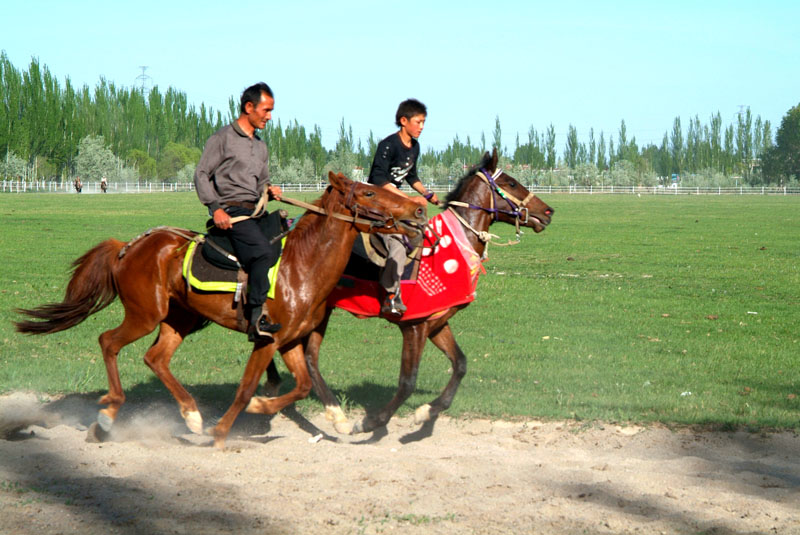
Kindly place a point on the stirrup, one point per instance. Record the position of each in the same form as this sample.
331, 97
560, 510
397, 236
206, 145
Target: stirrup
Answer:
261, 327
393, 305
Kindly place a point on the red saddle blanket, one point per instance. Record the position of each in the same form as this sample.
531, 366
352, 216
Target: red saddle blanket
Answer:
447, 276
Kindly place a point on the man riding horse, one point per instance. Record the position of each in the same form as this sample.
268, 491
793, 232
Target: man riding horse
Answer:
230, 178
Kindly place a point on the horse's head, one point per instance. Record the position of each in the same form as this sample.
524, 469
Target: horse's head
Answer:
379, 210
512, 201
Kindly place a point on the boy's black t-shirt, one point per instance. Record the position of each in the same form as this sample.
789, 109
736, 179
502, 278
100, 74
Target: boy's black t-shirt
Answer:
394, 162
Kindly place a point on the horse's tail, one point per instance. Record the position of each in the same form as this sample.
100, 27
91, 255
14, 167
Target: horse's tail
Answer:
90, 290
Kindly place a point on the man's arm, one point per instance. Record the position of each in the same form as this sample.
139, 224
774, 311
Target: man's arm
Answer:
204, 173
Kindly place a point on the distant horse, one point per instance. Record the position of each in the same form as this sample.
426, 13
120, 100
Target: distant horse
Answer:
146, 274
104, 185
483, 196
78, 185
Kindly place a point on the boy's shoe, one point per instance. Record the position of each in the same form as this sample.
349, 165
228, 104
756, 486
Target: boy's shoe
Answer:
393, 305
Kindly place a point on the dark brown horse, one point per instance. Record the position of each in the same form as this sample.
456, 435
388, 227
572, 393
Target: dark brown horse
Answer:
146, 275
483, 196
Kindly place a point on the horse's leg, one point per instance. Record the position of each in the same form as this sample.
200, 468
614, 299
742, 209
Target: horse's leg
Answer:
296, 363
173, 330
273, 383
259, 358
443, 339
111, 342
413, 342
333, 411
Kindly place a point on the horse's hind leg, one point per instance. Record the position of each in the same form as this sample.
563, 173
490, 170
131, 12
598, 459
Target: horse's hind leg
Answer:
111, 342
446, 342
272, 386
172, 332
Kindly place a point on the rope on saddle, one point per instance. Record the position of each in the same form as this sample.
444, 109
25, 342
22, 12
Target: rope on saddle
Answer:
183, 233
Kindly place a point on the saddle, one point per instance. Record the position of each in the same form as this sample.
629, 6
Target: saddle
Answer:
211, 265
445, 274
369, 255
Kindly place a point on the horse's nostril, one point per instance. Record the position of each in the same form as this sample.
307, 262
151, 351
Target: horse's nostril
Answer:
420, 211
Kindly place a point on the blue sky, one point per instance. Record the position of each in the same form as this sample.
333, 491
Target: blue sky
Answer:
583, 63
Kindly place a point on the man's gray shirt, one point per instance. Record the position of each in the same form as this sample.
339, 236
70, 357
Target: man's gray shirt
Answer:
233, 167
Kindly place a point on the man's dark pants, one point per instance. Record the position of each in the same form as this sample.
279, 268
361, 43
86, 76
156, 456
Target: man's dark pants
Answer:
255, 254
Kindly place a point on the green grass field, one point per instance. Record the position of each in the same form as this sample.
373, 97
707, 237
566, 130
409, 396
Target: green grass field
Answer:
676, 309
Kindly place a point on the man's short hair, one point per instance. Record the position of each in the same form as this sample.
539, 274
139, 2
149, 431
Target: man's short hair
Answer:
253, 94
408, 109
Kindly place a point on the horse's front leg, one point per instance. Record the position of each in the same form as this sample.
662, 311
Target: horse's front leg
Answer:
413, 342
296, 363
256, 364
443, 339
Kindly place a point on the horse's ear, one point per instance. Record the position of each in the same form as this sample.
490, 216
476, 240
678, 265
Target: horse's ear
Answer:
338, 181
494, 159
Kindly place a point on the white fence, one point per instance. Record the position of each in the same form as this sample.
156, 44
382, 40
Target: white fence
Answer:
656, 190
41, 186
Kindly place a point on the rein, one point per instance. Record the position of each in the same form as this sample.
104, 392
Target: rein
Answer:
517, 208
377, 219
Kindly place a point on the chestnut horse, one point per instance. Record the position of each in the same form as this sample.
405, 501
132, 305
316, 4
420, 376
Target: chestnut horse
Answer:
485, 195
146, 275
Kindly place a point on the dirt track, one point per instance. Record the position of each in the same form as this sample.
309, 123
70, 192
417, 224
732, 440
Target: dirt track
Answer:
457, 476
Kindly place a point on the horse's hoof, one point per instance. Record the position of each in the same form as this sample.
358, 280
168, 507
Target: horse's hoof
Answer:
422, 414
344, 428
358, 427
257, 405
194, 422
96, 434
105, 421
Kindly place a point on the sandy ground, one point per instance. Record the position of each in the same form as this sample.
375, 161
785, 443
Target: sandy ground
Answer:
290, 475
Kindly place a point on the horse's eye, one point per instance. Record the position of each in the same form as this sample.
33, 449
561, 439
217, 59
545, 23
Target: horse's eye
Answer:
512, 184
369, 194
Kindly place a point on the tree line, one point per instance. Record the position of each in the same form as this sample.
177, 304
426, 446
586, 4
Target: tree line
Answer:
55, 131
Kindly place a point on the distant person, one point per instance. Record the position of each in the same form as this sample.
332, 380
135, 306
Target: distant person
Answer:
103, 184
78, 184
230, 179
395, 160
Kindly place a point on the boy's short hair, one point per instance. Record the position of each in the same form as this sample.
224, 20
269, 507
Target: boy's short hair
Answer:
253, 94
408, 109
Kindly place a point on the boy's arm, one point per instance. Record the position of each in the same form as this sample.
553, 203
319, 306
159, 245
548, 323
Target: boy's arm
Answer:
427, 194
379, 173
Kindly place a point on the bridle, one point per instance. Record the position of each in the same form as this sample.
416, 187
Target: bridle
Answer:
515, 208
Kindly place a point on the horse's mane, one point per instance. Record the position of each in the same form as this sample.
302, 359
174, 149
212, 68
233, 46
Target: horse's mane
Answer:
455, 194
305, 224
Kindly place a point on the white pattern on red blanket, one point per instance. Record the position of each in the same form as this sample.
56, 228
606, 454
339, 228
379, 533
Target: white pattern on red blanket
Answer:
447, 276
